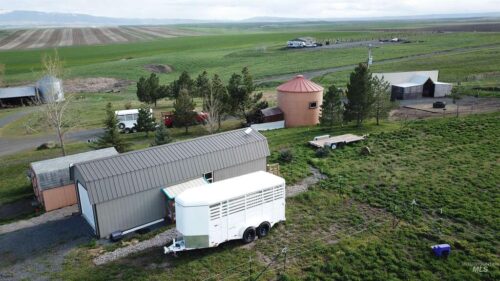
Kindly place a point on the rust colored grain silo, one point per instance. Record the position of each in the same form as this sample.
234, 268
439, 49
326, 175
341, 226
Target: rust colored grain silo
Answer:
300, 100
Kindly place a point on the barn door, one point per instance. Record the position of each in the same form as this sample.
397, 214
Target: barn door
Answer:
87, 210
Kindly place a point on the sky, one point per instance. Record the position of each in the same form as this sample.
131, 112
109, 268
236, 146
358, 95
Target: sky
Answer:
242, 9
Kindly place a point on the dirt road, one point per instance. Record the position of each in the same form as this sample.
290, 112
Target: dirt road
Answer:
13, 145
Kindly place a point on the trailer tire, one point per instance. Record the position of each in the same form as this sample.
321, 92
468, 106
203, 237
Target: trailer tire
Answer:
263, 229
249, 235
121, 126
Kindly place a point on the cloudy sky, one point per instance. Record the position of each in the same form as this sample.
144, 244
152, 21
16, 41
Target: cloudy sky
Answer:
241, 9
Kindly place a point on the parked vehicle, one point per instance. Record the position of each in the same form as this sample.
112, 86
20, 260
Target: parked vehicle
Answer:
127, 120
169, 118
243, 207
295, 44
439, 104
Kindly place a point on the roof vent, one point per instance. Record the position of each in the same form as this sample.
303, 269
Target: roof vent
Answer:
248, 131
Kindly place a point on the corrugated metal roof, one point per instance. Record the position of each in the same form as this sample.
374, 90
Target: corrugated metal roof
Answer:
160, 166
55, 172
17, 92
413, 77
299, 84
270, 111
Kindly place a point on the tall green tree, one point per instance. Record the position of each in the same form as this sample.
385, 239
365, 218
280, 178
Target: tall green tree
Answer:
145, 121
184, 109
220, 93
359, 95
202, 87
242, 101
162, 135
149, 90
382, 104
332, 108
183, 82
111, 136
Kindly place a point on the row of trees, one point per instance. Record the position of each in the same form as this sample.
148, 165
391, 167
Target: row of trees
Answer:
237, 98
366, 96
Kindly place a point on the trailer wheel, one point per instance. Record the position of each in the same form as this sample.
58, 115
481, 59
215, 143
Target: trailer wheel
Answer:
249, 235
121, 126
263, 229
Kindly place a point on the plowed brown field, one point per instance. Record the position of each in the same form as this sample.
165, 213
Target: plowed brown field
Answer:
57, 37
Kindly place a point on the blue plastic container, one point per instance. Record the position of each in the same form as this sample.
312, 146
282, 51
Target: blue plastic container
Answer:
441, 250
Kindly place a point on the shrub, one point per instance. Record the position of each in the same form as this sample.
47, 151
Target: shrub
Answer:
286, 156
128, 105
322, 152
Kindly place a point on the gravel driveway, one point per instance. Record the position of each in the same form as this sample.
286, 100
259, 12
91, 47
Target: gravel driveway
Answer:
33, 253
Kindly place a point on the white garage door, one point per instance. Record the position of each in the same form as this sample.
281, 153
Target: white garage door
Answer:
87, 211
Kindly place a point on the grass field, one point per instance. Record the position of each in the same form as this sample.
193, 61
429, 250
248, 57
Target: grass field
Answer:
262, 52
449, 166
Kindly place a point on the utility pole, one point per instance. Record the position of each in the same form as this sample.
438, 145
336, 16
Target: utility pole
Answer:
370, 57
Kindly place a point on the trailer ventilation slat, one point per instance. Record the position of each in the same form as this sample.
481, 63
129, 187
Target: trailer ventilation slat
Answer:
215, 211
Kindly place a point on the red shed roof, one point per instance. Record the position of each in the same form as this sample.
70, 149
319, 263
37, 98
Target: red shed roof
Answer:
299, 84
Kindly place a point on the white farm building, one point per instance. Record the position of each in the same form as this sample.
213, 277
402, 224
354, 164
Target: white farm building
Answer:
415, 84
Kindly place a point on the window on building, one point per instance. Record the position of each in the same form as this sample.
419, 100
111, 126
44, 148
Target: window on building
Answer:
209, 177
313, 104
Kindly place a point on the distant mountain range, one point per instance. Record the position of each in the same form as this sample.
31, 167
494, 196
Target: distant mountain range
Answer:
33, 18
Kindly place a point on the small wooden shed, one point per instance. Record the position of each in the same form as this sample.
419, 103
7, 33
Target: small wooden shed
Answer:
51, 181
271, 114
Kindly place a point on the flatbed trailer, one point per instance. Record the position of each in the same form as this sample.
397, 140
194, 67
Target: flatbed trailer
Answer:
335, 141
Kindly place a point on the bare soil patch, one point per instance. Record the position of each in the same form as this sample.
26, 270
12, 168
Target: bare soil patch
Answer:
468, 105
158, 68
95, 85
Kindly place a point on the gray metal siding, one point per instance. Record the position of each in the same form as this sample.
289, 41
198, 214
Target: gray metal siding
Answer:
153, 168
130, 211
239, 170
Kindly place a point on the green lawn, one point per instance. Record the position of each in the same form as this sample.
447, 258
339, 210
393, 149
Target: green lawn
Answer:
449, 166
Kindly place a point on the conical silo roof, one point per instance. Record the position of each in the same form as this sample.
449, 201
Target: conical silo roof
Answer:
299, 84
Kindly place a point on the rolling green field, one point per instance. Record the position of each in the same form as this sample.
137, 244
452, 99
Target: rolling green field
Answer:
343, 227
357, 223
472, 58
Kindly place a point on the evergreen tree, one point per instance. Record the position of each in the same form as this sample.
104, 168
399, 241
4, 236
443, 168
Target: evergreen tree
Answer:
242, 101
359, 95
149, 90
184, 82
221, 95
184, 109
111, 136
202, 87
142, 92
145, 121
382, 99
332, 109
162, 135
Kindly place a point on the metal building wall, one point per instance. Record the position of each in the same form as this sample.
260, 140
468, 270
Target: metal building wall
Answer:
238, 170
130, 211
147, 206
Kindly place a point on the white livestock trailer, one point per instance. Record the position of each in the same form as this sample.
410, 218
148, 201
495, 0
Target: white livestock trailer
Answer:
243, 207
